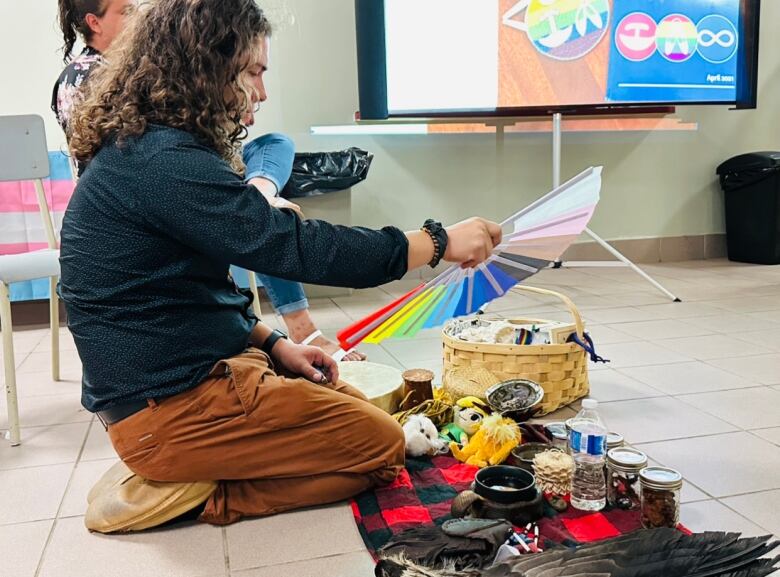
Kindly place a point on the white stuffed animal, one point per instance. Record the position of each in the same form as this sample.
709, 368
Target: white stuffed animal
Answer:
422, 438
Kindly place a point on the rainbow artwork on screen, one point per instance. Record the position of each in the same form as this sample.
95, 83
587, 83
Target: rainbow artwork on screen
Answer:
559, 29
487, 55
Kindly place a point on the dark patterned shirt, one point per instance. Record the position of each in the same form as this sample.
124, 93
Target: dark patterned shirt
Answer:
68, 85
146, 243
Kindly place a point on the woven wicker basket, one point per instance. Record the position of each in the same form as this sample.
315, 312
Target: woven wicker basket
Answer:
561, 369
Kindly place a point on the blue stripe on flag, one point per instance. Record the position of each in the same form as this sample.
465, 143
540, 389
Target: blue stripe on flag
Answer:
59, 166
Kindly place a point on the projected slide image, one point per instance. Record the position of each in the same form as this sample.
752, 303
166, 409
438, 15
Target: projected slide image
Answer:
505, 54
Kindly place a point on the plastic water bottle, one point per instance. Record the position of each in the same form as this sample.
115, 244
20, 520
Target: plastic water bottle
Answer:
588, 445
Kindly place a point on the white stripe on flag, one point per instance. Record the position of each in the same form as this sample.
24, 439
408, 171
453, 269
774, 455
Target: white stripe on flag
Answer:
16, 227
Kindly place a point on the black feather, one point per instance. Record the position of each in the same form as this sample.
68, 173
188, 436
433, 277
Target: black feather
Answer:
650, 553
666, 553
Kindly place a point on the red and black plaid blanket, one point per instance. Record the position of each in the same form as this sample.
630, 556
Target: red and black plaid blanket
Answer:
422, 493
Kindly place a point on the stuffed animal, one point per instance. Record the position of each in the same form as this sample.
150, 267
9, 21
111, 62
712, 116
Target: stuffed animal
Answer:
469, 412
452, 432
422, 438
491, 444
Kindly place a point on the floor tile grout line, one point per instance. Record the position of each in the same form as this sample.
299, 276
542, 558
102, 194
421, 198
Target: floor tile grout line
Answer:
676, 439
695, 486
226, 551
703, 392
720, 357
62, 501
719, 500
20, 363
317, 558
707, 412
25, 468
747, 493
47, 395
730, 371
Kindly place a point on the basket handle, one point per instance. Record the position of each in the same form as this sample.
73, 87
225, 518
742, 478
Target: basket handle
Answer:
575, 313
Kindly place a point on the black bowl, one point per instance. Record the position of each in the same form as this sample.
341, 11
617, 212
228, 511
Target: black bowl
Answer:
523, 455
504, 484
518, 399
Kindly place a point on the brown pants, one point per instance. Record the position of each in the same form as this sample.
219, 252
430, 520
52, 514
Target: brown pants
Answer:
273, 443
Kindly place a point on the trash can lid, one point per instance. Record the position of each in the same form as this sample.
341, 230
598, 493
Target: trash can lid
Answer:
751, 161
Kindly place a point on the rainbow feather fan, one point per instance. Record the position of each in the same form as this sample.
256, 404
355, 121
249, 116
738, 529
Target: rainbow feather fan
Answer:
533, 238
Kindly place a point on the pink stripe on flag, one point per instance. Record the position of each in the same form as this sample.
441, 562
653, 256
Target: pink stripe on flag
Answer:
20, 247
20, 196
563, 225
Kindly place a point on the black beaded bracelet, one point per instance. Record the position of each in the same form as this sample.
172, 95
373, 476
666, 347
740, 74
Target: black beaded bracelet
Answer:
439, 237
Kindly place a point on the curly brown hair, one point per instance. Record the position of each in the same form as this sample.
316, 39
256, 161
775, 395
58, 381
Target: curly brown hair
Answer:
179, 63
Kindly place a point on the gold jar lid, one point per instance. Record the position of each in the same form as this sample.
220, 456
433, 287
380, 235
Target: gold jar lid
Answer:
660, 478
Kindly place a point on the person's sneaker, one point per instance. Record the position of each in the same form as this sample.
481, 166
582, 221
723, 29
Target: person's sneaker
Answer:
122, 501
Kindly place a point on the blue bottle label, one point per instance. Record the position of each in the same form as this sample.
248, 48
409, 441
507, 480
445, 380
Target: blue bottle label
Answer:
589, 444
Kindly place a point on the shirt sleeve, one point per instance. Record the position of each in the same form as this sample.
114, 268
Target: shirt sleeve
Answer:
193, 195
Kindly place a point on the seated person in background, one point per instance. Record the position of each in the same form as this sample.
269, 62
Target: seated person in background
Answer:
268, 158
189, 384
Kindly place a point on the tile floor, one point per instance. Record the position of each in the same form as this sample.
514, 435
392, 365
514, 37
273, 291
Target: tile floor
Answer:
695, 384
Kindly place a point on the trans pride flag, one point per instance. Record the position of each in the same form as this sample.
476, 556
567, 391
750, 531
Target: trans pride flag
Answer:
21, 229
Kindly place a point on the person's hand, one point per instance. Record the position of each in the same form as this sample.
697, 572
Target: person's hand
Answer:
279, 202
310, 362
471, 241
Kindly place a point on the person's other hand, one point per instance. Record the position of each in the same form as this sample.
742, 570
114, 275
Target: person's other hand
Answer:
310, 362
279, 202
471, 241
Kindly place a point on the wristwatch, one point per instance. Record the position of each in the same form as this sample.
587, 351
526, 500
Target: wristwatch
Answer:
269, 343
439, 237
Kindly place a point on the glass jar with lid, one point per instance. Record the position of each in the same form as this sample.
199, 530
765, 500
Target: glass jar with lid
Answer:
660, 497
623, 486
559, 436
614, 440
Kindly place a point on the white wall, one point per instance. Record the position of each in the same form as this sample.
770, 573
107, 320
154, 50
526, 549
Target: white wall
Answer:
656, 184
31, 61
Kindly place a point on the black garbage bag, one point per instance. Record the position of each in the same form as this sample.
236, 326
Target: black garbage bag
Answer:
316, 173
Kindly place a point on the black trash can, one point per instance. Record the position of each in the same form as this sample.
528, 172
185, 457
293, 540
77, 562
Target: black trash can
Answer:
751, 185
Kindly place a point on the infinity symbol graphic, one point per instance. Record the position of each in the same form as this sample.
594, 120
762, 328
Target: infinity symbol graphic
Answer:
724, 38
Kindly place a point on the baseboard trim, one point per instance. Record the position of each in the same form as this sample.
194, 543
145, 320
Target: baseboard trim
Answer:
638, 250
654, 250
34, 314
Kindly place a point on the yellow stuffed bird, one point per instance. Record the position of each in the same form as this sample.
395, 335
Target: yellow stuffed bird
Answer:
491, 444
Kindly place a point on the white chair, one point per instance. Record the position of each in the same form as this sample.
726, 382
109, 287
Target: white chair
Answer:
253, 288
24, 156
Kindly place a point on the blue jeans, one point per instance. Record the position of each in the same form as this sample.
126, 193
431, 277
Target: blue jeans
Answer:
271, 157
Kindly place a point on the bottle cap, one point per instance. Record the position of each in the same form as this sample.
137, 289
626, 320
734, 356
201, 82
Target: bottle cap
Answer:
590, 404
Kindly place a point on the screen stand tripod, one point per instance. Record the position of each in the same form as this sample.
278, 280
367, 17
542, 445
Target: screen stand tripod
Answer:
622, 261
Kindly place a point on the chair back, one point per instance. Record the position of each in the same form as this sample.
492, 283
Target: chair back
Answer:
24, 155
